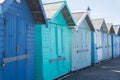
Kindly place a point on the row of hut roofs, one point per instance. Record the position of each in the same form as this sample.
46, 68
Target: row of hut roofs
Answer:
44, 42
76, 18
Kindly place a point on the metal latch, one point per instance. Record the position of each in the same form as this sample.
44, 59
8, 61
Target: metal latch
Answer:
3, 64
13, 59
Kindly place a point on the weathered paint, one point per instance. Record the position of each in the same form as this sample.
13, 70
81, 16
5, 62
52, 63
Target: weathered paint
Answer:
97, 47
109, 46
16, 41
81, 51
105, 49
109, 39
99, 39
52, 46
115, 39
115, 42
81, 42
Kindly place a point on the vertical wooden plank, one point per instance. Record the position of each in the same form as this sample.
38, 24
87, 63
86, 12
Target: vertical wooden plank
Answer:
74, 50
60, 54
1, 45
10, 46
54, 66
66, 49
21, 46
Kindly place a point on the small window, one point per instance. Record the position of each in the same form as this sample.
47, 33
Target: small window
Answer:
2, 1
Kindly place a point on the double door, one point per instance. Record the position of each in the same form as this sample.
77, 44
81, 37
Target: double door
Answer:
13, 53
81, 49
59, 57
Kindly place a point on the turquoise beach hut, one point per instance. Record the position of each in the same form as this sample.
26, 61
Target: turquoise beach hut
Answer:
52, 44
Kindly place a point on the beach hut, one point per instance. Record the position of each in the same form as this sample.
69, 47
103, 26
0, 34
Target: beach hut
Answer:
81, 41
17, 19
99, 40
52, 44
111, 32
116, 42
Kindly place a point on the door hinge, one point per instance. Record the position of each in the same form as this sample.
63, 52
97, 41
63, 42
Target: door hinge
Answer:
26, 51
3, 54
17, 49
4, 22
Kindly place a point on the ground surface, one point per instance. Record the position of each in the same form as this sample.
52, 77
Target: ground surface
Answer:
108, 70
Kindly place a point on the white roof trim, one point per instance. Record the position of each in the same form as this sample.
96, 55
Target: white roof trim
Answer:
116, 29
83, 16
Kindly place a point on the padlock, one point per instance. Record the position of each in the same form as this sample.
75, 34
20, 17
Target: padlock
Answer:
3, 64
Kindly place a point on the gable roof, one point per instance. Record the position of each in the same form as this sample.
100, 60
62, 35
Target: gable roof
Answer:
117, 29
100, 24
52, 10
80, 17
110, 28
35, 6
37, 11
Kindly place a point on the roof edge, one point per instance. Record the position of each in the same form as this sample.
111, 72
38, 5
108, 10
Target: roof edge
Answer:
70, 14
60, 9
84, 16
43, 11
53, 2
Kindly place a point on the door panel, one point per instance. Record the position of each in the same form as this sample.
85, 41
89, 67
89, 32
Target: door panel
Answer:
66, 49
54, 65
21, 49
105, 46
100, 45
15, 46
2, 26
60, 50
10, 47
88, 47
74, 53
46, 49
117, 45
114, 46
109, 46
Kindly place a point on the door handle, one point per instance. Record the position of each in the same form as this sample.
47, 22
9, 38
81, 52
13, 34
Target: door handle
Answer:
59, 56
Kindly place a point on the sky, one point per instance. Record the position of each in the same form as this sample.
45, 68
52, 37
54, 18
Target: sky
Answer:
107, 9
